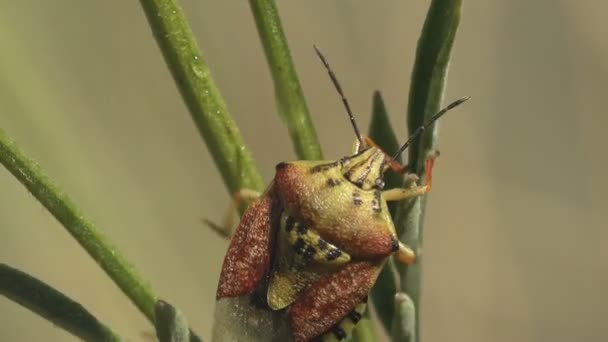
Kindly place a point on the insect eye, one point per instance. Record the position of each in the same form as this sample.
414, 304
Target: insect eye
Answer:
379, 183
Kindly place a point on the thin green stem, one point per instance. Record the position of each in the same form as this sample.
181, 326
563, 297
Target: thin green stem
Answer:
201, 95
171, 324
381, 132
290, 99
87, 235
404, 321
52, 305
426, 94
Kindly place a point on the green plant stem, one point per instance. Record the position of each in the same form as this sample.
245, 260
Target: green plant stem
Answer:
171, 324
381, 132
87, 235
201, 95
404, 321
52, 305
426, 94
429, 75
288, 92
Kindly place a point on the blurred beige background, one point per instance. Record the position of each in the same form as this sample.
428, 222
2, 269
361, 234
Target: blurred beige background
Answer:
515, 244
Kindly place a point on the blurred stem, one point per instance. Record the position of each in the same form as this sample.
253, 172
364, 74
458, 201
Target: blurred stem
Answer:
52, 305
290, 99
70, 216
171, 324
381, 132
426, 94
201, 95
404, 321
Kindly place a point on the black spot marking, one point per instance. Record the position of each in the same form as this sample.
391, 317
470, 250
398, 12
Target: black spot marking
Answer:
322, 244
357, 201
309, 253
301, 229
331, 182
323, 167
281, 166
354, 316
363, 176
290, 223
395, 245
376, 202
338, 332
299, 246
333, 254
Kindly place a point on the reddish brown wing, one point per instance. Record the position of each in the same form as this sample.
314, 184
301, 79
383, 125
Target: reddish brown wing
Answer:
248, 257
330, 299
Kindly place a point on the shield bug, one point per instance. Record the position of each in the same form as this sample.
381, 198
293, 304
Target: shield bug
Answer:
314, 242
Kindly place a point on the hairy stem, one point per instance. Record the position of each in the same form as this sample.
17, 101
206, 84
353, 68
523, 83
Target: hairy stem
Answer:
52, 305
83, 230
201, 95
290, 99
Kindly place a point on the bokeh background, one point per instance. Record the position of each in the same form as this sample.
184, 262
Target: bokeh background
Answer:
515, 244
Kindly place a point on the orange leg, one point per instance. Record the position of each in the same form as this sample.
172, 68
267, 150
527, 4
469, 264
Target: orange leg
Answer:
405, 254
398, 194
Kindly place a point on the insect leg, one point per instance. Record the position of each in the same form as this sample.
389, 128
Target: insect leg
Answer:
226, 228
405, 255
398, 194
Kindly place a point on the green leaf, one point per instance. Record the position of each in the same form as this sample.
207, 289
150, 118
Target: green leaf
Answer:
288, 92
201, 95
425, 98
429, 75
171, 324
52, 305
83, 230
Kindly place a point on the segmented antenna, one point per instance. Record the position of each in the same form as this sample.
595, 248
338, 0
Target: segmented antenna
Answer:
339, 89
426, 125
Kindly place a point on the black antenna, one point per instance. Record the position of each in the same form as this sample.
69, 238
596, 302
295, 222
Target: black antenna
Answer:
339, 89
426, 125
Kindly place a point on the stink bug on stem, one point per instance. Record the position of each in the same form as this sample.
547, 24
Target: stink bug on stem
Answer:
312, 245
